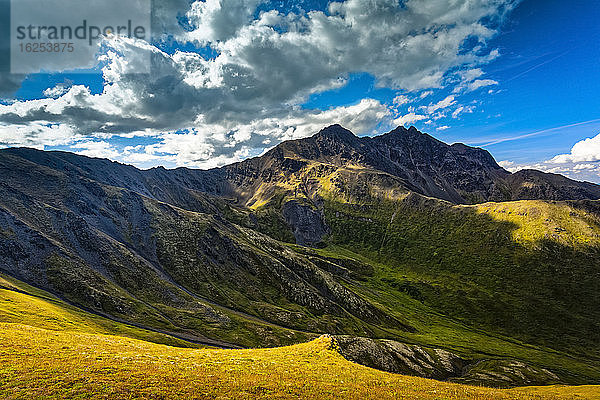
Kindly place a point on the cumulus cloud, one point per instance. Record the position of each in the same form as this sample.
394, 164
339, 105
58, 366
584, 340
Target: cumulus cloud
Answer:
587, 150
56, 91
219, 20
508, 165
36, 134
205, 112
582, 163
98, 149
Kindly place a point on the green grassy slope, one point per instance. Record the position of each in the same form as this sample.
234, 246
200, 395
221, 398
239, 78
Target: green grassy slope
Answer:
529, 269
23, 304
469, 275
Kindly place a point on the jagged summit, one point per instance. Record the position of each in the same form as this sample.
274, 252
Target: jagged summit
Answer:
335, 131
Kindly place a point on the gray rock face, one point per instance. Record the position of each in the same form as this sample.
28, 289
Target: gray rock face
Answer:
410, 359
392, 356
308, 224
505, 374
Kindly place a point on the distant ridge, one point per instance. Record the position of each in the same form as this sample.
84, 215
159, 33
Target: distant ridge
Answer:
457, 173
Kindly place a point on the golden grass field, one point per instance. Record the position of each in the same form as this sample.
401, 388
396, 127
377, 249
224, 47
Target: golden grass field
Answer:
50, 350
37, 363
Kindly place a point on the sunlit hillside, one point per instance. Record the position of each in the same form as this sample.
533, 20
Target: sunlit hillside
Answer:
49, 349
39, 363
23, 304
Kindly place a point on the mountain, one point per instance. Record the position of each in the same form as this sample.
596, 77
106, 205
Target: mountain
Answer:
388, 166
412, 160
384, 242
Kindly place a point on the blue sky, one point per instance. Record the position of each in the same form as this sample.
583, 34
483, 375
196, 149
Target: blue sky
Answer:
234, 78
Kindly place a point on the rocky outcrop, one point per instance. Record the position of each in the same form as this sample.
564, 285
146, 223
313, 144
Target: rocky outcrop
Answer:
410, 359
307, 223
393, 356
505, 374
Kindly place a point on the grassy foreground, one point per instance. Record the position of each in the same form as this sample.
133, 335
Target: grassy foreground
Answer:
49, 349
40, 363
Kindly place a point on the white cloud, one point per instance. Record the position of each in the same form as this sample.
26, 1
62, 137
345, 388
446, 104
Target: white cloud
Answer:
401, 100
587, 150
443, 127
470, 74
479, 83
98, 149
445, 103
219, 20
56, 91
469, 82
266, 66
36, 134
509, 165
408, 119
425, 94
461, 110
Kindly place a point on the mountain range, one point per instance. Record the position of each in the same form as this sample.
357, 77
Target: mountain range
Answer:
418, 256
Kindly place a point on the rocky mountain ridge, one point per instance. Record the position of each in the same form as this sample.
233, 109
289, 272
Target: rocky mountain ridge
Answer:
418, 162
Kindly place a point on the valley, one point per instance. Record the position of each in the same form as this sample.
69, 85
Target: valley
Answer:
416, 257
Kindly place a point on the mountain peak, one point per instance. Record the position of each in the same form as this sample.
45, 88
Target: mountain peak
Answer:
409, 137
400, 129
335, 131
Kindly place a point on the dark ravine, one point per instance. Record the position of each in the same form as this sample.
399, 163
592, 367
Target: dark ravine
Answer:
210, 255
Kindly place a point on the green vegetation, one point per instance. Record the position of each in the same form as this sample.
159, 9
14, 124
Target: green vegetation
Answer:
468, 278
24, 304
41, 364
